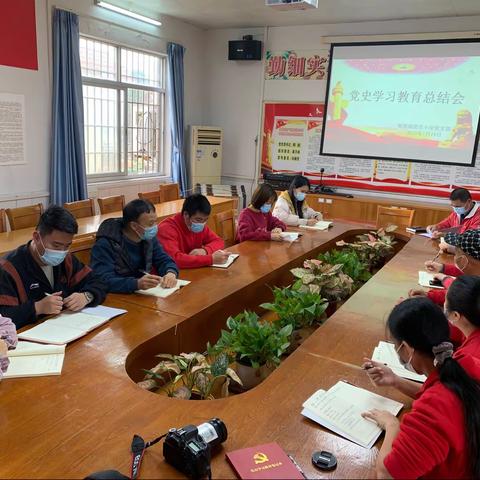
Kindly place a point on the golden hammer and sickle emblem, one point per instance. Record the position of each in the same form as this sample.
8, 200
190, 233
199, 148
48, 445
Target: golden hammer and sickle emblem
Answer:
260, 458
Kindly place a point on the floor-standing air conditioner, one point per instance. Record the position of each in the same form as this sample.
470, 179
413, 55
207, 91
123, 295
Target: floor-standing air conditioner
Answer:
206, 154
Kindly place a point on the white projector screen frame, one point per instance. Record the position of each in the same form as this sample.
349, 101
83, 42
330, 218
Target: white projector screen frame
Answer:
472, 45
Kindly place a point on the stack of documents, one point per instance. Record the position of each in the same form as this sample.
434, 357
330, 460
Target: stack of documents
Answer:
340, 410
161, 292
231, 259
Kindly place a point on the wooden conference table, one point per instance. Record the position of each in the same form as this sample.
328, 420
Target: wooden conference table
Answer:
88, 226
83, 421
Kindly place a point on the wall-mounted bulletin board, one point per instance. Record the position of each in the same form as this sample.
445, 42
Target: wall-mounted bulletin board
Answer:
291, 144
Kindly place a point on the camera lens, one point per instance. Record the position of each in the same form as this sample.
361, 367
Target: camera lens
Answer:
213, 432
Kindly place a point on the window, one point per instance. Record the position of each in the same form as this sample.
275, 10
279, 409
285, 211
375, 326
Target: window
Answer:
124, 110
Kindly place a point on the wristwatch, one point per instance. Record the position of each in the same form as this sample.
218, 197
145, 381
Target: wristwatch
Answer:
90, 297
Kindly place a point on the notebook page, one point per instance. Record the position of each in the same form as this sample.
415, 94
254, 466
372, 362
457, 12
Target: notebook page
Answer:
80, 321
30, 349
35, 365
289, 236
51, 332
340, 409
424, 279
163, 292
231, 259
385, 353
104, 312
321, 225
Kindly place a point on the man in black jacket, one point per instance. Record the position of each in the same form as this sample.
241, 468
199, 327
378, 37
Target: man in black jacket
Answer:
42, 278
127, 250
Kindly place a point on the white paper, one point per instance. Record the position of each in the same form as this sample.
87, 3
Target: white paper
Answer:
104, 312
290, 236
426, 234
163, 292
12, 128
30, 349
385, 353
339, 409
52, 332
321, 225
231, 259
424, 279
79, 321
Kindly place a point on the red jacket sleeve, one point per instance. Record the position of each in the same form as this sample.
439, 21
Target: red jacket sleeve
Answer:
168, 237
451, 270
211, 241
247, 230
274, 222
437, 296
448, 222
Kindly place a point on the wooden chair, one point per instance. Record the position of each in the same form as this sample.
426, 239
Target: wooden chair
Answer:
225, 226
169, 192
225, 191
82, 247
3, 221
111, 204
81, 209
24, 217
154, 197
402, 217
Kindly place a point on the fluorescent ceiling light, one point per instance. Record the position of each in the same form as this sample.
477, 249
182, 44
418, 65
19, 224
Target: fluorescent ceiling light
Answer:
128, 13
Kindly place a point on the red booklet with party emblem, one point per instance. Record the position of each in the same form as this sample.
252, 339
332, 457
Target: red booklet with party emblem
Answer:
267, 461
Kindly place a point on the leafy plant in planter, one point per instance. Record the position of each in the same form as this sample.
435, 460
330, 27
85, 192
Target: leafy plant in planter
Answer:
296, 308
191, 375
352, 265
252, 343
373, 247
324, 279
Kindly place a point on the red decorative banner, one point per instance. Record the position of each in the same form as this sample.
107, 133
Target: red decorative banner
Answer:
18, 34
292, 65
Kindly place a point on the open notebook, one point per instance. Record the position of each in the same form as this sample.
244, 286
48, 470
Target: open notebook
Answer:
35, 360
339, 409
320, 225
385, 353
67, 327
231, 259
424, 279
290, 236
164, 292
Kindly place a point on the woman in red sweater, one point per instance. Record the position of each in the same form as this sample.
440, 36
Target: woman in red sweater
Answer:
440, 436
256, 222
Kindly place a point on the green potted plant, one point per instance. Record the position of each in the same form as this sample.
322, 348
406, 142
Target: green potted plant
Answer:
191, 376
352, 265
327, 280
302, 310
255, 346
373, 247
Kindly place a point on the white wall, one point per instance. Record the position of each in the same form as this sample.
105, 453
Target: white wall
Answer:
27, 184
234, 89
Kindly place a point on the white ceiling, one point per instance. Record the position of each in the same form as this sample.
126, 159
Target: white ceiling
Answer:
253, 13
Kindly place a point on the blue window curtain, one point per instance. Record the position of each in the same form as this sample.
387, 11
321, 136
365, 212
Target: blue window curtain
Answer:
175, 91
68, 180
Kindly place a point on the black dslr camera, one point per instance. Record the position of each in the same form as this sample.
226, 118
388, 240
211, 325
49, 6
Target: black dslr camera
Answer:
188, 449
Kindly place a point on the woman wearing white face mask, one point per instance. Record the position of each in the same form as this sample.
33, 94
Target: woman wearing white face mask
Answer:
440, 436
292, 207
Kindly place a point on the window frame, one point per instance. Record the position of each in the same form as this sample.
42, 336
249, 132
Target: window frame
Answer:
122, 132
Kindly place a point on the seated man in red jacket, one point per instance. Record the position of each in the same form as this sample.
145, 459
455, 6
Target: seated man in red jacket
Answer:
187, 238
465, 215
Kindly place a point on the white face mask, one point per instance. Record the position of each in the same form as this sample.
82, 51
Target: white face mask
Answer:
408, 364
461, 262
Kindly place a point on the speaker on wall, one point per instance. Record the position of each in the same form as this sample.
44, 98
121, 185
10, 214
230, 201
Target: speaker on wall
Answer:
245, 50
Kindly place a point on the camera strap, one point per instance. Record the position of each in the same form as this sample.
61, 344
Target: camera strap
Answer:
138, 448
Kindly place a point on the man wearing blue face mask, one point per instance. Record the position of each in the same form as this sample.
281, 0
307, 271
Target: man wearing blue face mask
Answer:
187, 238
126, 250
465, 215
42, 278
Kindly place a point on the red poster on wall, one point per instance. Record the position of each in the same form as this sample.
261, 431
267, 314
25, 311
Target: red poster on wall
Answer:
18, 34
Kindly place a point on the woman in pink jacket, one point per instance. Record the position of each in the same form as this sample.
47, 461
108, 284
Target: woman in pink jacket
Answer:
8, 340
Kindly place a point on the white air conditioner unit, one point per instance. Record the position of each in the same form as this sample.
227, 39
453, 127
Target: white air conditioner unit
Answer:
292, 4
206, 154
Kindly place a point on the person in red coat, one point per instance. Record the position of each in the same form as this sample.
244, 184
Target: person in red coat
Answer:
465, 215
440, 436
187, 238
257, 222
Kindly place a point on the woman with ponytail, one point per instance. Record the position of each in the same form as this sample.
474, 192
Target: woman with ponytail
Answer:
462, 308
440, 436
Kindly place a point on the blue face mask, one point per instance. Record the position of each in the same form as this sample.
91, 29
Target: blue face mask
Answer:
300, 196
149, 233
197, 227
460, 210
52, 257
265, 208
